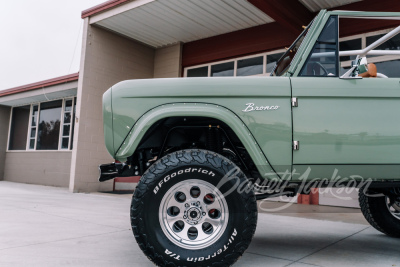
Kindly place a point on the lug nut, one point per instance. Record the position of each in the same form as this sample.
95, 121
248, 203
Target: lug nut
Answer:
204, 214
185, 217
198, 203
187, 205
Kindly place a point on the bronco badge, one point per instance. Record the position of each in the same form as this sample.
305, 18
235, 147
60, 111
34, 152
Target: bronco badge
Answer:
252, 107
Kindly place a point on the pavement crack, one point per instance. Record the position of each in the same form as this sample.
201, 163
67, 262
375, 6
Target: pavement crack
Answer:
327, 246
60, 240
258, 254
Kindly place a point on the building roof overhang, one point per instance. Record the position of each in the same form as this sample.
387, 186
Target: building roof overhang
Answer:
160, 23
102, 7
55, 88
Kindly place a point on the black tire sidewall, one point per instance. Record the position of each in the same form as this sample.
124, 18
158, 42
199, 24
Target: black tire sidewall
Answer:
238, 213
381, 214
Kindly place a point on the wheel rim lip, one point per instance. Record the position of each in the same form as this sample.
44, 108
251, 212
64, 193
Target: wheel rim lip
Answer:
187, 243
392, 209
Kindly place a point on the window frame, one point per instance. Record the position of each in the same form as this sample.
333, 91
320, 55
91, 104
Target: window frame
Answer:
28, 140
62, 124
235, 60
317, 41
59, 149
9, 131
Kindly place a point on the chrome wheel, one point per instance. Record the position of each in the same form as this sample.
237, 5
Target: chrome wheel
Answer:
193, 214
393, 207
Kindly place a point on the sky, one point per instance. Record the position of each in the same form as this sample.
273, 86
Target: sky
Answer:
40, 39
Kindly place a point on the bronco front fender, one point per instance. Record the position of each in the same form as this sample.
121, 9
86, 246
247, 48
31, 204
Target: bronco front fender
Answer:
140, 128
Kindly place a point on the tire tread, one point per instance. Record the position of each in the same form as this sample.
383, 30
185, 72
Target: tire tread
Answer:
148, 180
376, 215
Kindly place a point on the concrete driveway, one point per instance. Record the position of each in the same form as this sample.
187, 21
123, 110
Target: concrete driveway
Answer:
47, 226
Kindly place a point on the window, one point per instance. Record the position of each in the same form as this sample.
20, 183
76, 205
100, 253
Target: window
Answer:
323, 60
67, 124
19, 128
199, 72
73, 125
34, 123
260, 64
223, 69
250, 66
49, 125
43, 126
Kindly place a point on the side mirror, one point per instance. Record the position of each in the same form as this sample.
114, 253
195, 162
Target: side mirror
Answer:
358, 66
362, 65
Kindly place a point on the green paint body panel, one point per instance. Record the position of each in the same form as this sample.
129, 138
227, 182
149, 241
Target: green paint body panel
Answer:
108, 121
138, 104
346, 124
350, 122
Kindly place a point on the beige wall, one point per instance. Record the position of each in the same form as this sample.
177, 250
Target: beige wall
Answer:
38, 167
4, 124
167, 61
106, 59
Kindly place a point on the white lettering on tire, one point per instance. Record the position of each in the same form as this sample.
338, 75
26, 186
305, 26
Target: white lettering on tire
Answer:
219, 251
180, 172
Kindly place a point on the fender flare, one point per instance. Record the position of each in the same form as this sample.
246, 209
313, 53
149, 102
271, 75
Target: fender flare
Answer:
223, 114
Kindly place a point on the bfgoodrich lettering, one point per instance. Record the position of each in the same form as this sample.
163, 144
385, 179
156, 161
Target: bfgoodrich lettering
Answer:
174, 174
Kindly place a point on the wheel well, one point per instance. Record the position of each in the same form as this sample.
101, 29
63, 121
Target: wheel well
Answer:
177, 133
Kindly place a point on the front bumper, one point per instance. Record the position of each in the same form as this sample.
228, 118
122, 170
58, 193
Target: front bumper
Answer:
111, 170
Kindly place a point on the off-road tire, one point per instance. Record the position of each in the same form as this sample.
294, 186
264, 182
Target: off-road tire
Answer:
377, 214
145, 205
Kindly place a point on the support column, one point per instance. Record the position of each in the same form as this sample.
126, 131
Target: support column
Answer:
168, 61
4, 128
106, 59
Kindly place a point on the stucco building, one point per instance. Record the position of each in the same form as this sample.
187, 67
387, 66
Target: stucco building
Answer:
51, 132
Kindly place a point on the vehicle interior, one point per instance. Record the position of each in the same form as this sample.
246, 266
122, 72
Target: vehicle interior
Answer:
365, 55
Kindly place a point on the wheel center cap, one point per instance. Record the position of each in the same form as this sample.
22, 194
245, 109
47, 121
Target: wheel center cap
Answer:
193, 214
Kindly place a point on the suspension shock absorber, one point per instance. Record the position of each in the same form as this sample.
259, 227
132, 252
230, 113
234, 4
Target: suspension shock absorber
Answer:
214, 139
211, 139
219, 140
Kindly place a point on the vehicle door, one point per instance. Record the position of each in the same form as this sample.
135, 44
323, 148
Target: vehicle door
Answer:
344, 127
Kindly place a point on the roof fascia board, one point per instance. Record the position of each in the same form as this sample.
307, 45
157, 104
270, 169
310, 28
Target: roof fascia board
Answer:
38, 85
40, 91
118, 10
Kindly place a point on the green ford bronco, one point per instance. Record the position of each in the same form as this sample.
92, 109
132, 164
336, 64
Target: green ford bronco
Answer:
208, 148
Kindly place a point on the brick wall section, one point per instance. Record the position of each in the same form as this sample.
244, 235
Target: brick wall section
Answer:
106, 59
4, 123
167, 61
38, 167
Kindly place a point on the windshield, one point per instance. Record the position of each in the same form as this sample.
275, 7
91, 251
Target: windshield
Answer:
282, 65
